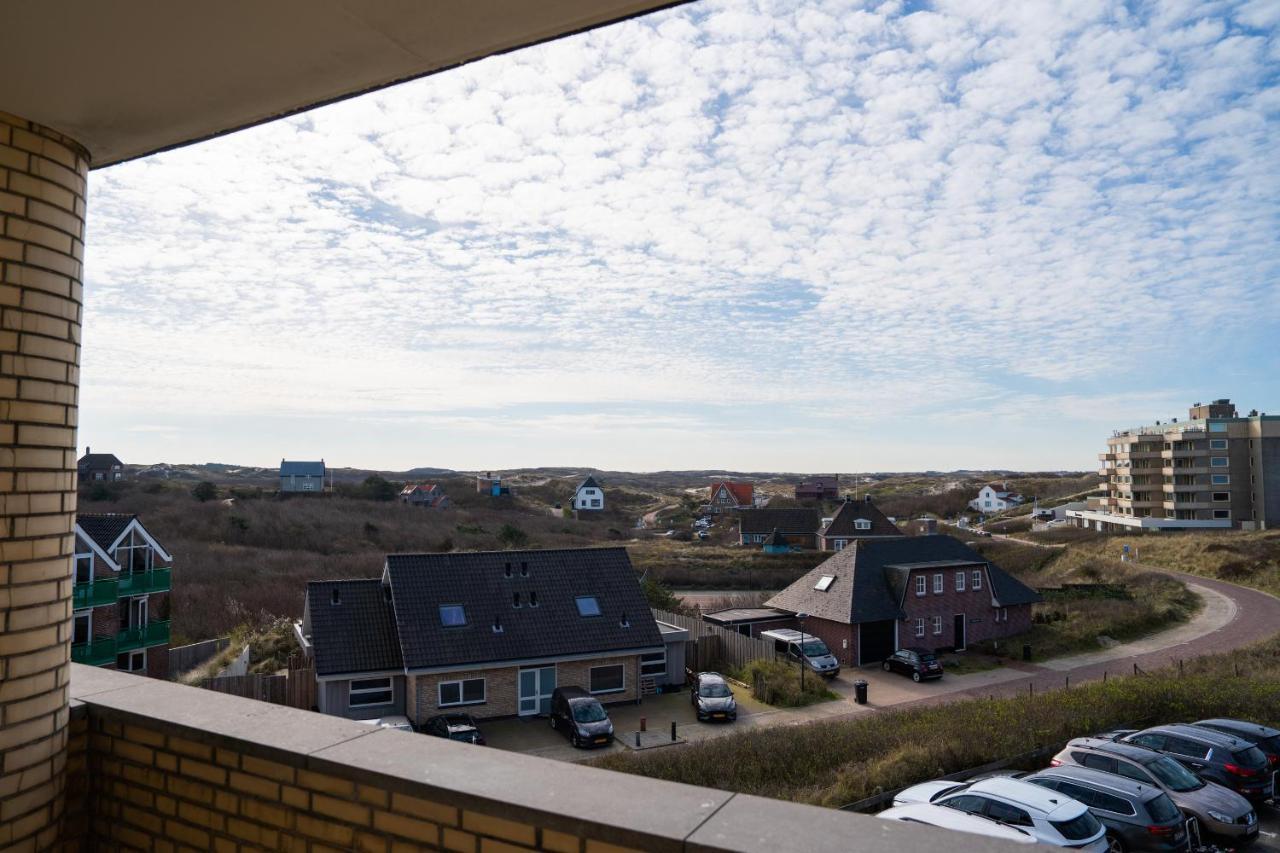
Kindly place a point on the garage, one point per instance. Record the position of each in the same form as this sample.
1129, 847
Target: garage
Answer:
876, 641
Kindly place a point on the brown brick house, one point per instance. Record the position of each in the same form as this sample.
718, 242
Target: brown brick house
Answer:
120, 595
727, 496
820, 487
491, 633
857, 518
878, 595
797, 527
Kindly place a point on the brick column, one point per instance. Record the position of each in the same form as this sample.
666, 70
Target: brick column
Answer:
42, 192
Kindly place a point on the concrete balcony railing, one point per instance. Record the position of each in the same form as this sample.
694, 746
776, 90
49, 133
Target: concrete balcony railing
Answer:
154, 763
1182, 454
1184, 471
101, 591
1177, 504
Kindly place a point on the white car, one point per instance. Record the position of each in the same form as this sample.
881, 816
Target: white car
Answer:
398, 723
1052, 818
945, 818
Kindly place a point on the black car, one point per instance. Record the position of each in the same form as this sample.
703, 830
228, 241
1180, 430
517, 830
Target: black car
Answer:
459, 727
920, 664
1265, 738
581, 717
711, 697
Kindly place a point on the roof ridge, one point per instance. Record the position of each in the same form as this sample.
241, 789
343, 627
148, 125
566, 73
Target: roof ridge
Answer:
506, 551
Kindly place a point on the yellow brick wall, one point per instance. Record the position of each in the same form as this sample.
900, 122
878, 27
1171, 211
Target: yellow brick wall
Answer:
42, 198
156, 790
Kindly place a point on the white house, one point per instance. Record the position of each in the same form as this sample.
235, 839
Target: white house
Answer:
588, 495
995, 497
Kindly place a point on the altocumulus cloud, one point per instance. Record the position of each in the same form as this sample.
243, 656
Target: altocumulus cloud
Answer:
832, 208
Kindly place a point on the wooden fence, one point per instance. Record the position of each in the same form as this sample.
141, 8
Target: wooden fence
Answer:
296, 688
184, 658
712, 645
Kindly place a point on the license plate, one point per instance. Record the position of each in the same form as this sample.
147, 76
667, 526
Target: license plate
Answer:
602, 740
717, 716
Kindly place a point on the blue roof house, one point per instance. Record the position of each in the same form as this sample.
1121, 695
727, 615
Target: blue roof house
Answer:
304, 477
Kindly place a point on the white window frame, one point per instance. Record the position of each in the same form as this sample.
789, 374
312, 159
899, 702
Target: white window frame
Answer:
977, 580
1222, 513
939, 585
1226, 497
960, 580
861, 524
1219, 462
461, 682
920, 626
655, 663
132, 656
591, 678
937, 626
840, 544
1217, 444
1219, 479
922, 586
353, 692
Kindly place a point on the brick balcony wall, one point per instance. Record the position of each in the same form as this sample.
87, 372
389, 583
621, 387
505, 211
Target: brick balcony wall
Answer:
158, 765
42, 198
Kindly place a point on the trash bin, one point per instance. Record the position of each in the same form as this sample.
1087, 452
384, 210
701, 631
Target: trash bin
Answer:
860, 692
1026, 651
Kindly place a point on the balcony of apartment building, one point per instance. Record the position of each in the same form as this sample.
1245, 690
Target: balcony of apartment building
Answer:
1178, 452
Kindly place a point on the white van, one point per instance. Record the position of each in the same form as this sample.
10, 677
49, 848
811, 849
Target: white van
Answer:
806, 648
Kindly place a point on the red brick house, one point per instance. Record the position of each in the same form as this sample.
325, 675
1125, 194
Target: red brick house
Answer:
821, 487
727, 496
857, 518
120, 596
796, 526
879, 595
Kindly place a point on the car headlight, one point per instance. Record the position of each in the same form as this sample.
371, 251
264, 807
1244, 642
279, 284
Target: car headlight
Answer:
732, 704
1220, 817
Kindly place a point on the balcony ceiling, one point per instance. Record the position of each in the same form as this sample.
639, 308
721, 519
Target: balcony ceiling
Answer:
132, 77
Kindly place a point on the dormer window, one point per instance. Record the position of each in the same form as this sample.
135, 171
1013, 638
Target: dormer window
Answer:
623, 621
587, 605
497, 625
824, 583
524, 569
506, 570
335, 597
452, 615
515, 599
861, 524
533, 598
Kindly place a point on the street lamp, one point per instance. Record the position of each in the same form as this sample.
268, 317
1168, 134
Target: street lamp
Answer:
800, 617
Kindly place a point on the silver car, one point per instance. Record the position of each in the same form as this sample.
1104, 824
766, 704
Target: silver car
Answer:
1223, 814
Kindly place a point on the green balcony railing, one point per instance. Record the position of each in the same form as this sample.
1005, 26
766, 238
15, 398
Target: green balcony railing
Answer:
156, 580
101, 591
151, 634
96, 653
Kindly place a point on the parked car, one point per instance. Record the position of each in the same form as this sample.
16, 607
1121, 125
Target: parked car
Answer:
1052, 818
581, 717
1265, 738
1223, 814
945, 818
459, 727
711, 697
1228, 760
396, 722
920, 664
1137, 816
806, 648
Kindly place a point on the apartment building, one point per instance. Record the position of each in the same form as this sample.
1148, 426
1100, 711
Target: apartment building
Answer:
1216, 469
120, 596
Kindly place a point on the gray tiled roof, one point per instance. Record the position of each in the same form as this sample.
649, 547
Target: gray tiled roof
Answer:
787, 520
421, 583
104, 528
589, 483
850, 511
358, 634
98, 461
870, 576
301, 469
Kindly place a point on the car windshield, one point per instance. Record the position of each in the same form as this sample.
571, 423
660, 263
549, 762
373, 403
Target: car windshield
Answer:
1078, 828
815, 649
1174, 776
715, 690
589, 712
1250, 757
464, 735
1162, 809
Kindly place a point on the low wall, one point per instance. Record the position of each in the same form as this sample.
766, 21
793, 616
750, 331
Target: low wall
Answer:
156, 763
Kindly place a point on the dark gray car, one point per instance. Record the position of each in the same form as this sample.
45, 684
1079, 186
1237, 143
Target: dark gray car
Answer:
581, 717
1230, 761
1223, 814
1266, 738
711, 697
1138, 817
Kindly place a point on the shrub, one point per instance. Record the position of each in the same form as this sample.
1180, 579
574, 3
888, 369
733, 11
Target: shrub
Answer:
776, 682
511, 536
204, 491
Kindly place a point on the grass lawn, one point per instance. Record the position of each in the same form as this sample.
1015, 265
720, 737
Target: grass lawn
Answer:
969, 663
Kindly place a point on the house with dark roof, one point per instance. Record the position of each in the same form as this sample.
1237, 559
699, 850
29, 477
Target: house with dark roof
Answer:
492, 633
857, 518
302, 477
424, 494
120, 595
589, 496
820, 487
727, 496
878, 595
797, 526
995, 497
98, 467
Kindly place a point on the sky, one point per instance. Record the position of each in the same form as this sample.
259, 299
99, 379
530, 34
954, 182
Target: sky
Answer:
762, 236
